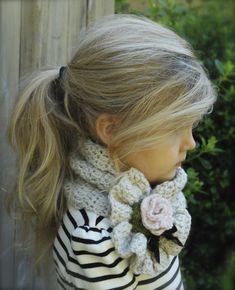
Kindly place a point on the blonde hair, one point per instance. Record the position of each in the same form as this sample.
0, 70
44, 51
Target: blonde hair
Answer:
125, 65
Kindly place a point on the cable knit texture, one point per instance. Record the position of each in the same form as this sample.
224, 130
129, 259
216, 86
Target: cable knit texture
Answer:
99, 188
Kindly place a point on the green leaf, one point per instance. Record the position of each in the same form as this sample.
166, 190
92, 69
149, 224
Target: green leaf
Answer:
219, 65
228, 67
206, 164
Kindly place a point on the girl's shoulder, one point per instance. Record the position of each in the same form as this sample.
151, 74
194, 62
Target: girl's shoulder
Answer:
83, 231
86, 218
78, 224
85, 255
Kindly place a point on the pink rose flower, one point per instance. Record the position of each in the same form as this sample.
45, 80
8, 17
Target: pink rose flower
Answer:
157, 214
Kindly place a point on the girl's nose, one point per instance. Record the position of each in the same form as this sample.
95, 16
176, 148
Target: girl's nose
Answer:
188, 142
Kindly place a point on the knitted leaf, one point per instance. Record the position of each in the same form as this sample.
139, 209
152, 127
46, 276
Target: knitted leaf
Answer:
136, 220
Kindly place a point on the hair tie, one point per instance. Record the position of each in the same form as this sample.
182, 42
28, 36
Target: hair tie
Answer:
57, 86
62, 69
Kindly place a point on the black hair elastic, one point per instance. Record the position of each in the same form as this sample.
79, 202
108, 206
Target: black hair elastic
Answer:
57, 87
62, 69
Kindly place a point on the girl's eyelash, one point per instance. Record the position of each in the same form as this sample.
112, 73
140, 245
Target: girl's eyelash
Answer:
195, 124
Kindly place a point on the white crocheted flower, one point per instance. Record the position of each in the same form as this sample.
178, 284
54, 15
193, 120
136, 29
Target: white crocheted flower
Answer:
147, 224
156, 214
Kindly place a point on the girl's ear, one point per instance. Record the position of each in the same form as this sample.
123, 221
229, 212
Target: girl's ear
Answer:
104, 127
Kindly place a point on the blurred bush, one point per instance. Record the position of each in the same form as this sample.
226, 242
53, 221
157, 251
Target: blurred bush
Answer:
208, 260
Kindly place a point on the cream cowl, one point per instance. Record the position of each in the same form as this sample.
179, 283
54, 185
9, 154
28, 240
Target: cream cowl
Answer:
99, 188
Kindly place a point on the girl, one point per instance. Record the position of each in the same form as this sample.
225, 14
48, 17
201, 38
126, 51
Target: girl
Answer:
101, 143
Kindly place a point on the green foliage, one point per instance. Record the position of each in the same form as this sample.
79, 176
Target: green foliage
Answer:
210, 29
228, 278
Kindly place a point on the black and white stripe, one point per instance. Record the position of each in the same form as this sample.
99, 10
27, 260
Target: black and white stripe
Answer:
85, 258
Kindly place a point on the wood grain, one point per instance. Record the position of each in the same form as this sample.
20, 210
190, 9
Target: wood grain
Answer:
34, 34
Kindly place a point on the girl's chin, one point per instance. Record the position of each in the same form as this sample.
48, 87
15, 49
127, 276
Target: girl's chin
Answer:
167, 177
178, 164
171, 174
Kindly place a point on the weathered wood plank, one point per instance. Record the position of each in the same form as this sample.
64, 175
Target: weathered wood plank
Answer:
99, 8
75, 24
52, 34
33, 34
9, 77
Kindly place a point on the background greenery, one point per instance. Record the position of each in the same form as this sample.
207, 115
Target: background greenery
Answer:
208, 261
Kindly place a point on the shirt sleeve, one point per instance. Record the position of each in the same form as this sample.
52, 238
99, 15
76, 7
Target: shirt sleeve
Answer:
97, 265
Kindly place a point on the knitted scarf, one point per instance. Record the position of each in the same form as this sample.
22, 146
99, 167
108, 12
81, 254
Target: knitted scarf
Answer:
100, 188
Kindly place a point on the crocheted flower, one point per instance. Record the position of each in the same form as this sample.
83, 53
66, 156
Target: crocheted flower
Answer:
149, 237
156, 214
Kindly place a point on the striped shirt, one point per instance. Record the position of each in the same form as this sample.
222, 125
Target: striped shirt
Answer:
86, 259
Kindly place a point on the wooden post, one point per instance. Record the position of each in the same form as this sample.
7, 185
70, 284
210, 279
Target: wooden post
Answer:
9, 79
33, 34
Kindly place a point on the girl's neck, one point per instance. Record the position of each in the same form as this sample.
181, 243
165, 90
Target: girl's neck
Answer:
153, 184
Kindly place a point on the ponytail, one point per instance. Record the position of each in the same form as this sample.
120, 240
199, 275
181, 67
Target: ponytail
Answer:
40, 132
